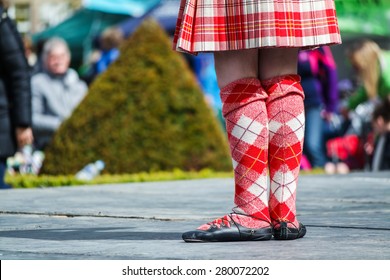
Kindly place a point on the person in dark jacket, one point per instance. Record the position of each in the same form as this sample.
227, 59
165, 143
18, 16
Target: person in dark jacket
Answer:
380, 151
15, 93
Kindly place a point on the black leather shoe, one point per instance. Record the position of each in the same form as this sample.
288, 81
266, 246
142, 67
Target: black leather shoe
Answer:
291, 232
227, 231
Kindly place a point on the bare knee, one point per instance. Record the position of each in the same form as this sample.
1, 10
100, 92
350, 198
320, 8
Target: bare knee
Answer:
233, 65
275, 62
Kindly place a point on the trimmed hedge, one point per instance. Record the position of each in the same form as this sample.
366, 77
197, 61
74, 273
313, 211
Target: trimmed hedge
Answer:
145, 113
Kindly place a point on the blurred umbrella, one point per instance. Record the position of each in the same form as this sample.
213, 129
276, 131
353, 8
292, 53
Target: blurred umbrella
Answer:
165, 14
135, 8
81, 29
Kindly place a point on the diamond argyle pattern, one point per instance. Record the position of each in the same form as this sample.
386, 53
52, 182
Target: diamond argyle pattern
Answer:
286, 132
247, 127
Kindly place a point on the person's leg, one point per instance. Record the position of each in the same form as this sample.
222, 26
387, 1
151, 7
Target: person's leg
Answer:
3, 168
231, 66
314, 145
278, 74
245, 114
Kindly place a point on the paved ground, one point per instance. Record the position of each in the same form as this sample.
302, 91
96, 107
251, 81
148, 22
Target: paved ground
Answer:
347, 217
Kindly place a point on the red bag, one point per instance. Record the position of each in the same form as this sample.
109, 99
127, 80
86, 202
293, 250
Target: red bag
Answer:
343, 147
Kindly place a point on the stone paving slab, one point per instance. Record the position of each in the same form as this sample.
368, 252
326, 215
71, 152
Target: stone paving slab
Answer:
347, 216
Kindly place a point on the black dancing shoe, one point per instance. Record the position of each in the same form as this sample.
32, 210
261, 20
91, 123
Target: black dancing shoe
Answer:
284, 232
226, 230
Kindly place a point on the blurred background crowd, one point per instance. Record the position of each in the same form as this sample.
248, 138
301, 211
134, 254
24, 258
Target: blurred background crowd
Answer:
68, 44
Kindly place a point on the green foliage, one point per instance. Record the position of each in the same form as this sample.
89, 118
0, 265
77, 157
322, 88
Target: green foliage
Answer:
145, 113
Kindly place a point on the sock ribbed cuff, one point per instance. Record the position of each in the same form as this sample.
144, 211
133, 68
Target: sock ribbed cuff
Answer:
240, 93
280, 86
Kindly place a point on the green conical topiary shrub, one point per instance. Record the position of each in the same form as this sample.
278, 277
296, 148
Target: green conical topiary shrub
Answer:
145, 113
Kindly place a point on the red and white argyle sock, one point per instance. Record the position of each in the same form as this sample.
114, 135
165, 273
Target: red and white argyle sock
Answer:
247, 127
286, 133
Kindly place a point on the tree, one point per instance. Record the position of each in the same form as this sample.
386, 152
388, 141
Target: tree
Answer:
145, 113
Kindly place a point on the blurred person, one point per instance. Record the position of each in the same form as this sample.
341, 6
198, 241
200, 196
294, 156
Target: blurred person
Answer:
57, 90
106, 51
15, 92
380, 151
372, 66
318, 72
31, 56
255, 46
110, 42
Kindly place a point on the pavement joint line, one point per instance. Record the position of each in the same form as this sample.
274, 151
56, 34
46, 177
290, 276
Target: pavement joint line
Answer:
46, 253
347, 227
69, 215
381, 180
363, 201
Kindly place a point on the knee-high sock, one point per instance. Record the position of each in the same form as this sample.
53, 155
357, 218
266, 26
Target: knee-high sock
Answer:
247, 127
286, 133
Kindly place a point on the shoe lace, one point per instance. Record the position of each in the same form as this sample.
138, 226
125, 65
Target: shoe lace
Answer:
224, 221
284, 223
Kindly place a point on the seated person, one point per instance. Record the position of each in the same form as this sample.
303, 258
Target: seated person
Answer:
380, 151
105, 53
110, 42
56, 91
372, 66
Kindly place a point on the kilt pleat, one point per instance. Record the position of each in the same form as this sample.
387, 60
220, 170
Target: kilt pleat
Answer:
220, 25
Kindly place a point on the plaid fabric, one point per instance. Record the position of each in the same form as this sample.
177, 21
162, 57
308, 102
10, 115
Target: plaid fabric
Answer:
218, 25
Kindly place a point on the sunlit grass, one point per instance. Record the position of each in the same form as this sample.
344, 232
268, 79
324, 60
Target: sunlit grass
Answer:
42, 181
33, 181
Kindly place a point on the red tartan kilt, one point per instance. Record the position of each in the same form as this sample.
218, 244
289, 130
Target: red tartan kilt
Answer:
218, 25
